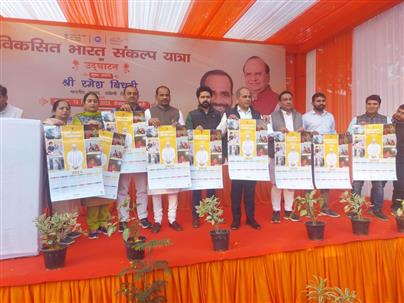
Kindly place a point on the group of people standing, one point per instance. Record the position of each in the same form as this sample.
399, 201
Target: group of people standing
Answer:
283, 118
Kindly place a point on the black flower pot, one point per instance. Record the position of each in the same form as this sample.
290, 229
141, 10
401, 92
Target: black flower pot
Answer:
360, 227
315, 231
54, 258
220, 239
131, 252
400, 224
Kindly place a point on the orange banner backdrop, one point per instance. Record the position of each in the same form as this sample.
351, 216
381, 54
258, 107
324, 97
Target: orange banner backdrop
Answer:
372, 268
334, 77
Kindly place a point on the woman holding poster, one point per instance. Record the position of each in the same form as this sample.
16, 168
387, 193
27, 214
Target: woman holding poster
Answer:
61, 116
97, 208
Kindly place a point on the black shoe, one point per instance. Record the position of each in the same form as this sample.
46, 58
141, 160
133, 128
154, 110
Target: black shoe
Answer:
67, 241
329, 212
175, 226
289, 215
379, 214
235, 225
122, 226
276, 217
196, 223
93, 235
254, 224
102, 230
74, 234
156, 227
145, 223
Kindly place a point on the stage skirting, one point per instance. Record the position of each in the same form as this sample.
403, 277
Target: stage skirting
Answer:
373, 268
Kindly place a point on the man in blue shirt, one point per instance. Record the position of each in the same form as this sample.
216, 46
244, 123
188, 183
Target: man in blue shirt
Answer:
320, 122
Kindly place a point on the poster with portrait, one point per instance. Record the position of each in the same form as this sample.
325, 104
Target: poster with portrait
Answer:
331, 161
247, 149
112, 151
205, 149
168, 164
74, 162
133, 126
374, 152
293, 160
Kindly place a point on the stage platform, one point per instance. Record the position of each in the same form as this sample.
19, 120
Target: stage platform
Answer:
268, 265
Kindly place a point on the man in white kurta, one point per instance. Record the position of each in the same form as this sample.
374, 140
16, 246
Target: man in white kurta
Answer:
75, 158
374, 150
248, 147
202, 157
168, 154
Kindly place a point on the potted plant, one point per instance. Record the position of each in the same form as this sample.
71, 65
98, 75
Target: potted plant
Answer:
213, 213
400, 218
310, 206
140, 289
355, 205
135, 244
318, 291
52, 230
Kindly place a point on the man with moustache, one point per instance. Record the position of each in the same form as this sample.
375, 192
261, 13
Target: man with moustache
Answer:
284, 120
257, 77
204, 117
131, 96
242, 110
221, 85
164, 114
320, 122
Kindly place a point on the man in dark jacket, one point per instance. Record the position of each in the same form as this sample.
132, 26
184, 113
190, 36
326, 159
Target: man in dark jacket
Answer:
242, 110
204, 117
398, 186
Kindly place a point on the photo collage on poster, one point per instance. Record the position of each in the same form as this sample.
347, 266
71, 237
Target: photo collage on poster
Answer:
331, 161
74, 161
205, 149
293, 160
374, 151
247, 149
167, 157
133, 126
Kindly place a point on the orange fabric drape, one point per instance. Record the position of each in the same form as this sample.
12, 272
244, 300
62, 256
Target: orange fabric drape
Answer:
296, 78
334, 77
372, 268
112, 13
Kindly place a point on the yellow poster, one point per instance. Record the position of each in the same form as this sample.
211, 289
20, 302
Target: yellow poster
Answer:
292, 142
201, 148
374, 141
167, 145
331, 150
74, 151
105, 143
124, 125
248, 144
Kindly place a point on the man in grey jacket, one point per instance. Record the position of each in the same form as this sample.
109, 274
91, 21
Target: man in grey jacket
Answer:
285, 119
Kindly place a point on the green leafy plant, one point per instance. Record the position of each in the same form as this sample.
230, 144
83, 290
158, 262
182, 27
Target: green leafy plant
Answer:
309, 205
355, 204
318, 291
53, 229
210, 209
345, 296
140, 289
131, 233
400, 210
